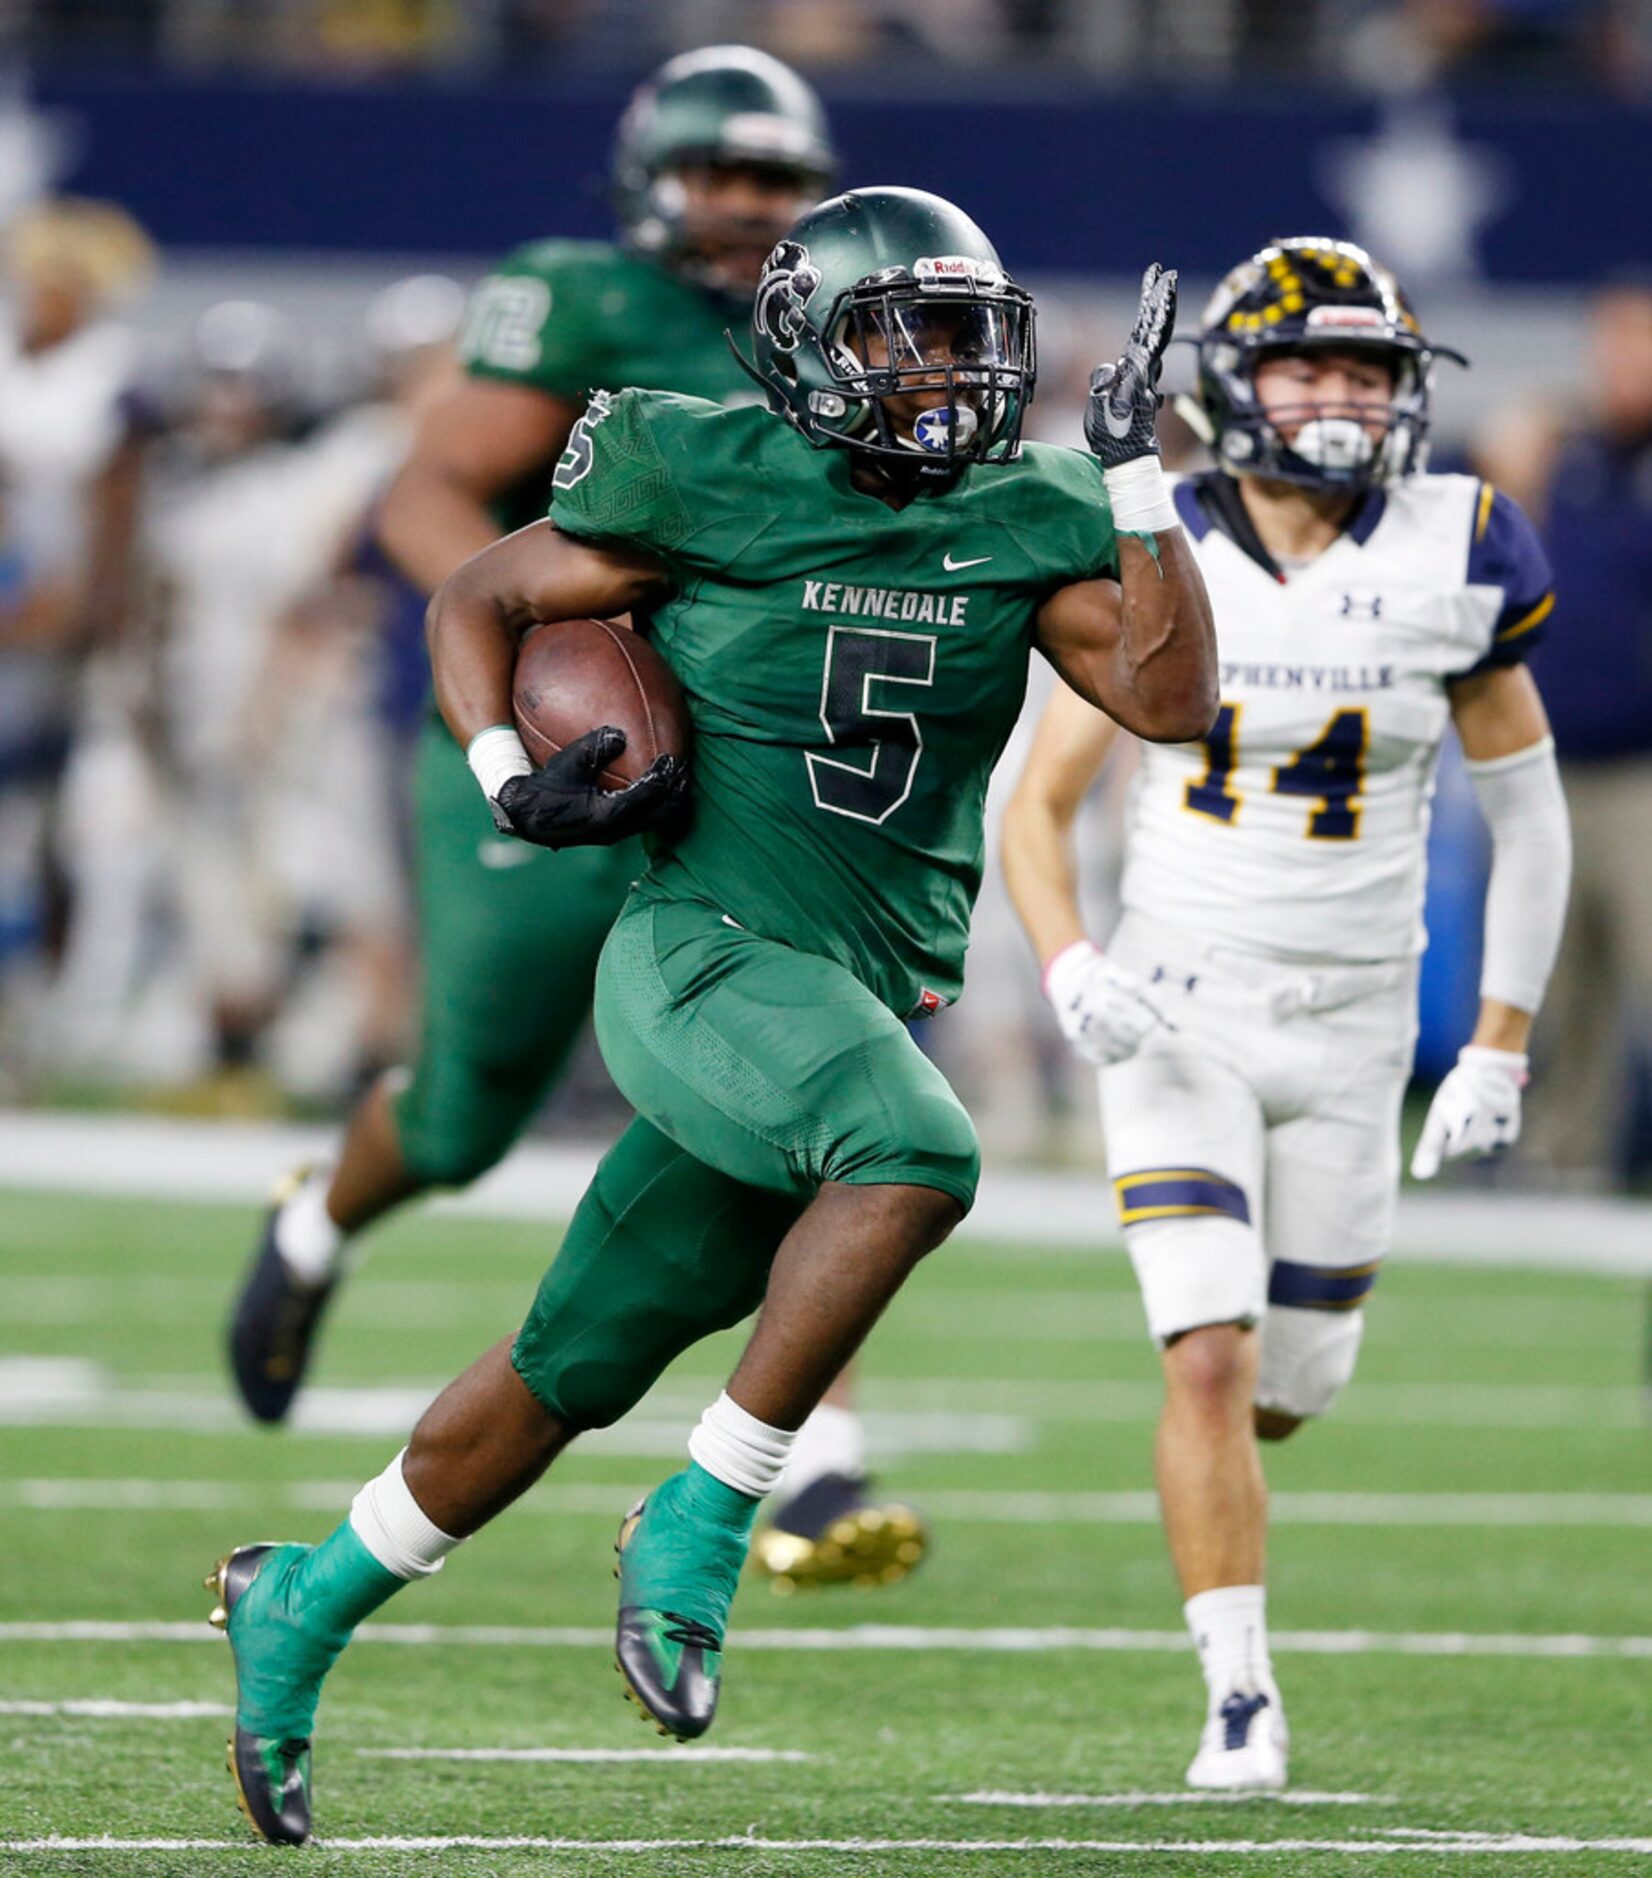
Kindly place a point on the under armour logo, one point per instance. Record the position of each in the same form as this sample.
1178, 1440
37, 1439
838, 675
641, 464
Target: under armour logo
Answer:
1354, 608
1161, 976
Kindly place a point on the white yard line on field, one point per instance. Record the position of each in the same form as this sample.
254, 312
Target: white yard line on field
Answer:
240, 1161
1294, 1797
964, 1505
101, 1710
916, 1637
1477, 1843
986, 1415
74, 1392
662, 1757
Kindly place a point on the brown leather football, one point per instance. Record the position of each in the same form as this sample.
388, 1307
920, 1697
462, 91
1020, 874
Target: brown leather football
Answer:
575, 675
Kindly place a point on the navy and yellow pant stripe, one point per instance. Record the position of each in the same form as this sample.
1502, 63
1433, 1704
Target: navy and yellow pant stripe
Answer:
1178, 1193
1321, 1288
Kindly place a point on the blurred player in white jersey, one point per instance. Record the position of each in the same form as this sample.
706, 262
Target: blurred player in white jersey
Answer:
1255, 1012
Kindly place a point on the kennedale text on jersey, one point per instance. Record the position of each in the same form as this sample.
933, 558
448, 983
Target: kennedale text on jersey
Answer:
932, 609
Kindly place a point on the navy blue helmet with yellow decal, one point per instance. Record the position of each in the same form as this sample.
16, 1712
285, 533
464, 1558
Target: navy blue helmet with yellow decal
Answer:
1308, 293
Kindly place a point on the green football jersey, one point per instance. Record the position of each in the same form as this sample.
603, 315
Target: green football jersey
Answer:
572, 317
852, 671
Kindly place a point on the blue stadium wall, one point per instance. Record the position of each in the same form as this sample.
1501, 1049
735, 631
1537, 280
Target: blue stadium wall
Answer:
1068, 183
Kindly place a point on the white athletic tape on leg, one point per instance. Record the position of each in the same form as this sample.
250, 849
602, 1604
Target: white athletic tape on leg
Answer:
393, 1526
738, 1449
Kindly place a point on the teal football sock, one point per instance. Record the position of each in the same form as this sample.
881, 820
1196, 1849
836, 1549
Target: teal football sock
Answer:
291, 1623
685, 1555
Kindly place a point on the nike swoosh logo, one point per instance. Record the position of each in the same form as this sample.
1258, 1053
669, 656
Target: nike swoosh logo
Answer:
502, 854
957, 567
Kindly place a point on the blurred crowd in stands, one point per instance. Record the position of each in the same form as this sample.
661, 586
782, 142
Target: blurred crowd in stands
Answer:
210, 681
1385, 45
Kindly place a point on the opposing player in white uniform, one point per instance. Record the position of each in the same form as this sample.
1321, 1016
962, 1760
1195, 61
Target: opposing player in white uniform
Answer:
1255, 1012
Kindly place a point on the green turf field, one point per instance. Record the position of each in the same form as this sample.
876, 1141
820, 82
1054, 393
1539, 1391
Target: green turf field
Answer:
1462, 1592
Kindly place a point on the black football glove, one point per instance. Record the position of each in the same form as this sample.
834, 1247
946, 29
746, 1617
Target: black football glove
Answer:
562, 805
1124, 397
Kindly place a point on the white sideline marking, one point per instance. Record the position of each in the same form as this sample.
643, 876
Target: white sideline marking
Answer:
997, 1640
239, 1161
913, 1417
670, 1757
74, 1392
120, 1711
1444, 1509
1292, 1797
1468, 1843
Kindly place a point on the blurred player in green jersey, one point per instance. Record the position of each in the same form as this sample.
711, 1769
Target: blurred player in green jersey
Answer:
715, 159
849, 584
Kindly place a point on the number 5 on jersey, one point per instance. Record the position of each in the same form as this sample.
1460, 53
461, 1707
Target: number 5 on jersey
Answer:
1330, 770
859, 661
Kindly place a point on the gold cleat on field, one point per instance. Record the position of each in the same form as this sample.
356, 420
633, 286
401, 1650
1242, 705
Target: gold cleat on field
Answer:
860, 1544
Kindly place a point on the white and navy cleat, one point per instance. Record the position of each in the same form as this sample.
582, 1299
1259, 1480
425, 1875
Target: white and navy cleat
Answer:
1244, 1745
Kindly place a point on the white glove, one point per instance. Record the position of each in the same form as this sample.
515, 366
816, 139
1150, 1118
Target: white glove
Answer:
1103, 1011
1476, 1110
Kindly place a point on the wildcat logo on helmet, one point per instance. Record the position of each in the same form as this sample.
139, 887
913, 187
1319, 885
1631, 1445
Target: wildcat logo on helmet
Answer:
783, 294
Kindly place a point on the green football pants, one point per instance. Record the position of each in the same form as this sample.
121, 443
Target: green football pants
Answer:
777, 1067
510, 937
662, 1251
758, 1072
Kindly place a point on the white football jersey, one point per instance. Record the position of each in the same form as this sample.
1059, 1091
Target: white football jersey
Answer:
1298, 827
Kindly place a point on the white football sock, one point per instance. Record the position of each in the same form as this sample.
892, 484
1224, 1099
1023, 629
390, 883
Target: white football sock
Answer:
831, 1441
1230, 1630
391, 1524
307, 1236
738, 1449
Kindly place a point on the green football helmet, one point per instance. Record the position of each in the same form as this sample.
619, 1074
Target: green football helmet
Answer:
880, 303
720, 105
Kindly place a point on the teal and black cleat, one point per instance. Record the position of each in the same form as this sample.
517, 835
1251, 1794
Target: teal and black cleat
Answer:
271, 1772
680, 1554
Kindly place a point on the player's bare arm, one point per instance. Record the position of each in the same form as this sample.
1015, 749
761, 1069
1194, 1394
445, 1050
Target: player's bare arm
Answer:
1504, 732
476, 621
482, 439
1142, 648
1069, 746
1103, 1010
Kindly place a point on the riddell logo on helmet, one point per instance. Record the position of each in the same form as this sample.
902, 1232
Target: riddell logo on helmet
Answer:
951, 270
1348, 318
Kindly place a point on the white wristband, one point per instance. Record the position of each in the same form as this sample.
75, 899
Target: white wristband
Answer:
1141, 502
495, 755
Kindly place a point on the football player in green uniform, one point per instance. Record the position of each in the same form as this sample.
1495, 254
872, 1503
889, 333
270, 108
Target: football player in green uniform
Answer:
848, 583
717, 156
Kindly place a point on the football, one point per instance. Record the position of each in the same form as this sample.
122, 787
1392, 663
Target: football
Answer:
575, 675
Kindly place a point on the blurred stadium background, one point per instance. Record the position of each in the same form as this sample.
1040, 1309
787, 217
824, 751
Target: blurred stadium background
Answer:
198, 907
236, 238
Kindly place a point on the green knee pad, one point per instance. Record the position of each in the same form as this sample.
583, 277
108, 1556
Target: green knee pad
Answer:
509, 937
777, 1066
662, 1251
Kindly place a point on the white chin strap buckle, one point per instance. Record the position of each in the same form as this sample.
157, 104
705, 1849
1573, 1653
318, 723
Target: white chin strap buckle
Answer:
1334, 443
